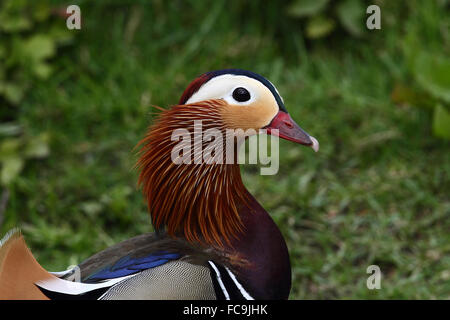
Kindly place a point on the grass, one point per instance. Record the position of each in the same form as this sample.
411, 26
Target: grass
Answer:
376, 193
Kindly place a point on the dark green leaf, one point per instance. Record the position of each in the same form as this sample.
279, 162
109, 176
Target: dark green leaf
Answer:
441, 122
10, 129
10, 148
11, 167
38, 147
305, 8
432, 71
319, 27
351, 16
14, 23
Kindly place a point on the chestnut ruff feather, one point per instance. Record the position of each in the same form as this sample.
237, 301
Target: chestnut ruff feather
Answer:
199, 202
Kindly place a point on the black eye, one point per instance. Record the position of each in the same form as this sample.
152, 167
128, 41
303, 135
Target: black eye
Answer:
241, 94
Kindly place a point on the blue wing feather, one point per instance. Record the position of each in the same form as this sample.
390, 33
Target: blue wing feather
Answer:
130, 265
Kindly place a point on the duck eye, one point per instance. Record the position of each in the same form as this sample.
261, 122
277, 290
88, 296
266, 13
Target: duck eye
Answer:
241, 94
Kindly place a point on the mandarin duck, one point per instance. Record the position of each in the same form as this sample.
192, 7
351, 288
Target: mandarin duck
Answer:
212, 239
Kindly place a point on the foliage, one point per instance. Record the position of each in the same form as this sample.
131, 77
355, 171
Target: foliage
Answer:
375, 193
28, 40
29, 37
14, 151
428, 66
322, 17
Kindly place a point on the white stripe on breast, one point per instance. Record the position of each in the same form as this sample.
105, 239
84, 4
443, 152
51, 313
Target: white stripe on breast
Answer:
244, 292
219, 279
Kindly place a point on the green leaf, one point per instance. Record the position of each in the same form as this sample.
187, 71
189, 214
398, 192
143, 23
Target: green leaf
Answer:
14, 23
306, 8
2, 50
38, 147
13, 93
10, 129
441, 122
41, 11
91, 208
432, 72
38, 47
319, 27
11, 167
118, 200
42, 70
10, 148
351, 16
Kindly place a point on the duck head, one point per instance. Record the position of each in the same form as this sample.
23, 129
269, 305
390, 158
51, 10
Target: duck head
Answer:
251, 102
203, 202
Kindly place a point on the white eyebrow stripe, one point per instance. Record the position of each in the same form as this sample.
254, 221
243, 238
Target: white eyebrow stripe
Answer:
219, 279
221, 87
276, 90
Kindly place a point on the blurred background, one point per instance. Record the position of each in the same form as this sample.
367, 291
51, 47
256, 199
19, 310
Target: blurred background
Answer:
74, 103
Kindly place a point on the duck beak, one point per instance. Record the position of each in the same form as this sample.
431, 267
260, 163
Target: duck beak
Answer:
289, 130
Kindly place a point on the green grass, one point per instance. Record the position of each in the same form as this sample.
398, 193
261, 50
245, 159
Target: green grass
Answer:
376, 193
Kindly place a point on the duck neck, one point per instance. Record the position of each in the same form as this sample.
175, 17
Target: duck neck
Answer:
207, 203
268, 273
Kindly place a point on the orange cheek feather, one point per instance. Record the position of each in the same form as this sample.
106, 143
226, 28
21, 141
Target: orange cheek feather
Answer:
254, 116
